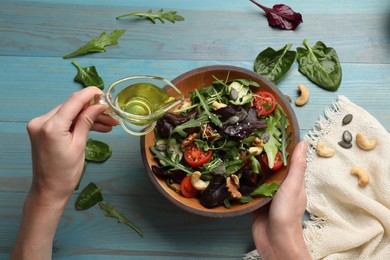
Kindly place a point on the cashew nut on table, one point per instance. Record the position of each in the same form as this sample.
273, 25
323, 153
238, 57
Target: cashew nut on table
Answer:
304, 96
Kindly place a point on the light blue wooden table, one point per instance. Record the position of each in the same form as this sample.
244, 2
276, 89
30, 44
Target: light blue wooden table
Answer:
34, 35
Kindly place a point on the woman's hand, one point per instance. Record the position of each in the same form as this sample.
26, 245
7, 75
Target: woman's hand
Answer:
58, 141
277, 229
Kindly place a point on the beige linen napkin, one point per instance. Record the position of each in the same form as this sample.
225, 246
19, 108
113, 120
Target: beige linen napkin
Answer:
347, 221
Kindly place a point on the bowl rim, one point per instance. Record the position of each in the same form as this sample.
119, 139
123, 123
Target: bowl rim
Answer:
208, 212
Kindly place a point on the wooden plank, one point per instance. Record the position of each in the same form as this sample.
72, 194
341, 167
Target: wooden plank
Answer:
315, 6
89, 233
52, 80
26, 33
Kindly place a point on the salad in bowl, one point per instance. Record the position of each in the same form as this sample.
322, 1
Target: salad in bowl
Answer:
225, 150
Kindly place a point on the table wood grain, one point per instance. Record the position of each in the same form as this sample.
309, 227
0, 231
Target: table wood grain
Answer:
35, 35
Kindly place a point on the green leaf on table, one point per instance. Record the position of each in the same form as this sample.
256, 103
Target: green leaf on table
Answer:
320, 64
97, 151
171, 16
111, 212
266, 189
273, 65
89, 196
98, 44
88, 76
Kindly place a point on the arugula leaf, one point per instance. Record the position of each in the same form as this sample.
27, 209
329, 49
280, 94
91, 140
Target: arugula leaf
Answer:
273, 65
171, 16
193, 122
284, 137
98, 44
111, 212
266, 189
212, 116
88, 76
320, 64
168, 162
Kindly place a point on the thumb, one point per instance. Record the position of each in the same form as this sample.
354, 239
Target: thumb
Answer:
86, 119
296, 173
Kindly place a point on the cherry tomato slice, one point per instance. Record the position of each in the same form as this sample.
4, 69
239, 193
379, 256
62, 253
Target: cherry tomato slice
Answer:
195, 157
278, 163
186, 188
264, 102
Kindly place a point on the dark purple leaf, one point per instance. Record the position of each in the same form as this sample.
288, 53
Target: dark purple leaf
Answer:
166, 123
281, 16
215, 193
239, 122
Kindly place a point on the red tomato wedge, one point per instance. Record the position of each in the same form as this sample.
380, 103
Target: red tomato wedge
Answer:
186, 188
264, 102
278, 163
195, 157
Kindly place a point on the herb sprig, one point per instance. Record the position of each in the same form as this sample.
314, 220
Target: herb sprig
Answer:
98, 44
170, 16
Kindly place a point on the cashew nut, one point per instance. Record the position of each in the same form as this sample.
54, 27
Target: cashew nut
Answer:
362, 175
216, 105
304, 97
196, 182
184, 105
233, 183
323, 150
255, 150
364, 143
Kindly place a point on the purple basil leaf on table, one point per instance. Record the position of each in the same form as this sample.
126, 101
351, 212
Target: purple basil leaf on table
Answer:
281, 16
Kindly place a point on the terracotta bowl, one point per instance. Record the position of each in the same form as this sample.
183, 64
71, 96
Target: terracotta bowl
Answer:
204, 76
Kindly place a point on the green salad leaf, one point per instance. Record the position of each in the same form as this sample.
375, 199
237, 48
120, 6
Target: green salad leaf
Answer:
113, 213
266, 189
98, 44
170, 16
97, 151
272, 146
88, 76
89, 196
320, 64
273, 65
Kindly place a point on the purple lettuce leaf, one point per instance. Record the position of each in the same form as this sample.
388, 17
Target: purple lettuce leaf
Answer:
281, 16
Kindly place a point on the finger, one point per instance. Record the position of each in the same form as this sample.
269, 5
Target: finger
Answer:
101, 128
86, 119
74, 105
108, 120
296, 173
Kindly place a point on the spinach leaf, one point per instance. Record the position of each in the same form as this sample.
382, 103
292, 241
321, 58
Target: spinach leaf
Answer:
266, 189
273, 65
97, 151
281, 16
98, 44
88, 76
111, 212
171, 16
321, 65
89, 196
